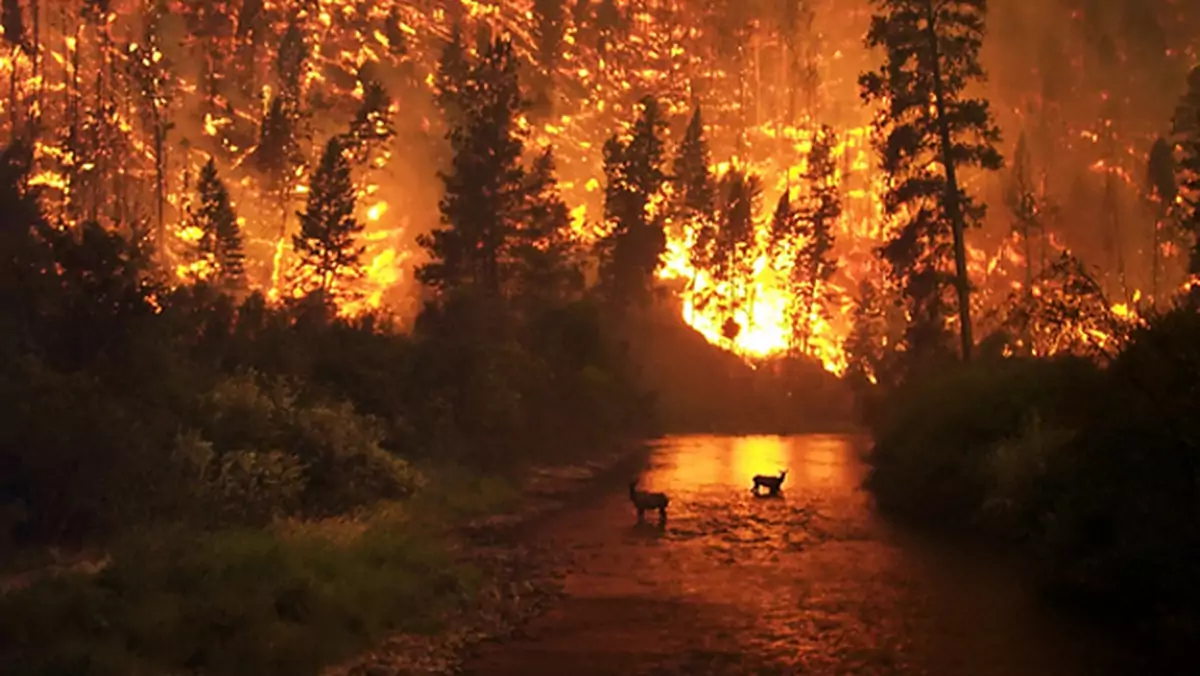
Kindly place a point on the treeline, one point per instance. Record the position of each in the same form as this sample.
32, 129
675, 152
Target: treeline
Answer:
1069, 429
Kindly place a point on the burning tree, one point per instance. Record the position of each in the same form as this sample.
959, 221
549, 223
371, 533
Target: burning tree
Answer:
327, 243
632, 251
1022, 201
1067, 312
928, 132
734, 250
814, 264
219, 242
277, 156
693, 193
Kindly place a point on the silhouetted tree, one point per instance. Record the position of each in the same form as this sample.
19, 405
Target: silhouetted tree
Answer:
372, 124
221, 238
929, 130
277, 156
1160, 176
483, 188
453, 72
289, 62
815, 265
734, 249
151, 72
328, 240
544, 254
632, 252
549, 27
694, 193
1186, 128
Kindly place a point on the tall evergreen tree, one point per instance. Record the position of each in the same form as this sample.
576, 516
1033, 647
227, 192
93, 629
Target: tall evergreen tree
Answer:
928, 131
694, 193
734, 248
545, 255
483, 189
1160, 177
815, 264
328, 240
632, 252
277, 155
692, 179
221, 237
453, 72
1186, 128
289, 62
372, 124
548, 30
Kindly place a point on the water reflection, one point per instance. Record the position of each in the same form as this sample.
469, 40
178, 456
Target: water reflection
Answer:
811, 583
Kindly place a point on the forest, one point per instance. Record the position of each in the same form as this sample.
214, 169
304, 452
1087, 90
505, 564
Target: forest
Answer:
271, 263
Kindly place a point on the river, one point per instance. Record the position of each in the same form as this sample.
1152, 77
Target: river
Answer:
811, 582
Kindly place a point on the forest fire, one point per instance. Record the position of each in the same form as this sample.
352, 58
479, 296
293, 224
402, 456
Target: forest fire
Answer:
127, 100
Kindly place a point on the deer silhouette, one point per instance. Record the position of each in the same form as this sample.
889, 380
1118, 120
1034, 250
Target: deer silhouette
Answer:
771, 483
645, 500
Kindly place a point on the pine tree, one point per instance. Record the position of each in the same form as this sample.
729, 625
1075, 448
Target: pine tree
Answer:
1186, 130
277, 156
483, 189
372, 124
221, 237
1160, 177
815, 264
327, 243
734, 247
548, 30
928, 131
151, 72
289, 62
692, 180
545, 258
453, 71
632, 252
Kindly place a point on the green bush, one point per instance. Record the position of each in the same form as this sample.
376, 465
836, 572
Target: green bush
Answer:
242, 602
935, 437
1126, 519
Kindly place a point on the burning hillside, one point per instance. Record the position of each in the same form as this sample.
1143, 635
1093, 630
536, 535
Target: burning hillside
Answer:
127, 100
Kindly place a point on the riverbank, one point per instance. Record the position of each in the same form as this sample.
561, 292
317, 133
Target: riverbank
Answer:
1089, 470
406, 588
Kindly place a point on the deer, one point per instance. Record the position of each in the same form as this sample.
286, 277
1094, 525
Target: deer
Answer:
771, 483
645, 500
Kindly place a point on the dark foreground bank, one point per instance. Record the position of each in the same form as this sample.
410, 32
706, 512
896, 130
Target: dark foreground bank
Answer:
1092, 471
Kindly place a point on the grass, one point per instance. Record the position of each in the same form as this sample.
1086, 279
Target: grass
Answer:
259, 602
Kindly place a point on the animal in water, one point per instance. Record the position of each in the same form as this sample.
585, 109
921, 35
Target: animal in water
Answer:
771, 483
645, 500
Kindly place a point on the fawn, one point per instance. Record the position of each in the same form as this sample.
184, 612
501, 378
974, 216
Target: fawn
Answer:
644, 500
771, 483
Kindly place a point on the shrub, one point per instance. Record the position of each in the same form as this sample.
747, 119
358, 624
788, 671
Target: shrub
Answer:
1127, 517
243, 602
934, 436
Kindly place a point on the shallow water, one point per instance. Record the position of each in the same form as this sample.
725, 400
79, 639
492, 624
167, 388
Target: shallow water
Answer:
811, 582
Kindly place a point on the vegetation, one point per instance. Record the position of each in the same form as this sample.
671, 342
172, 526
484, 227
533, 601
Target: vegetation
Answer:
1072, 433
